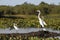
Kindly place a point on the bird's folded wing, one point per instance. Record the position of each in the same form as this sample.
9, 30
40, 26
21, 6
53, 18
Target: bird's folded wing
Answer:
44, 22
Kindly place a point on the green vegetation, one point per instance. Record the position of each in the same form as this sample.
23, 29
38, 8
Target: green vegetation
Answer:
25, 16
29, 9
31, 21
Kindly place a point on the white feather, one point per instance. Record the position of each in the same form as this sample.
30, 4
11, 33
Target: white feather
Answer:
15, 27
42, 23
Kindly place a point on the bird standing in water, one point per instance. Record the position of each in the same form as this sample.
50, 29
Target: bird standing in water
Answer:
42, 23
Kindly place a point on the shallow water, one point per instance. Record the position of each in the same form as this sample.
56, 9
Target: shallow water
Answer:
27, 30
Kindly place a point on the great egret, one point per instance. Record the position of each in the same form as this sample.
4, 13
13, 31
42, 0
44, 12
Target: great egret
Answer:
15, 27
42, 23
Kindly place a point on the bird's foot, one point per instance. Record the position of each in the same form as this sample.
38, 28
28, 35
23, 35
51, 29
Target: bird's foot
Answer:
43, 29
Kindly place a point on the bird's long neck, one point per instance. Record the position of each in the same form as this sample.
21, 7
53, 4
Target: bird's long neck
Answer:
39, 15
14, 25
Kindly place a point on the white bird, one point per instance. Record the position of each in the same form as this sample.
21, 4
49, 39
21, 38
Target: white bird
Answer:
42, 23
15, 27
